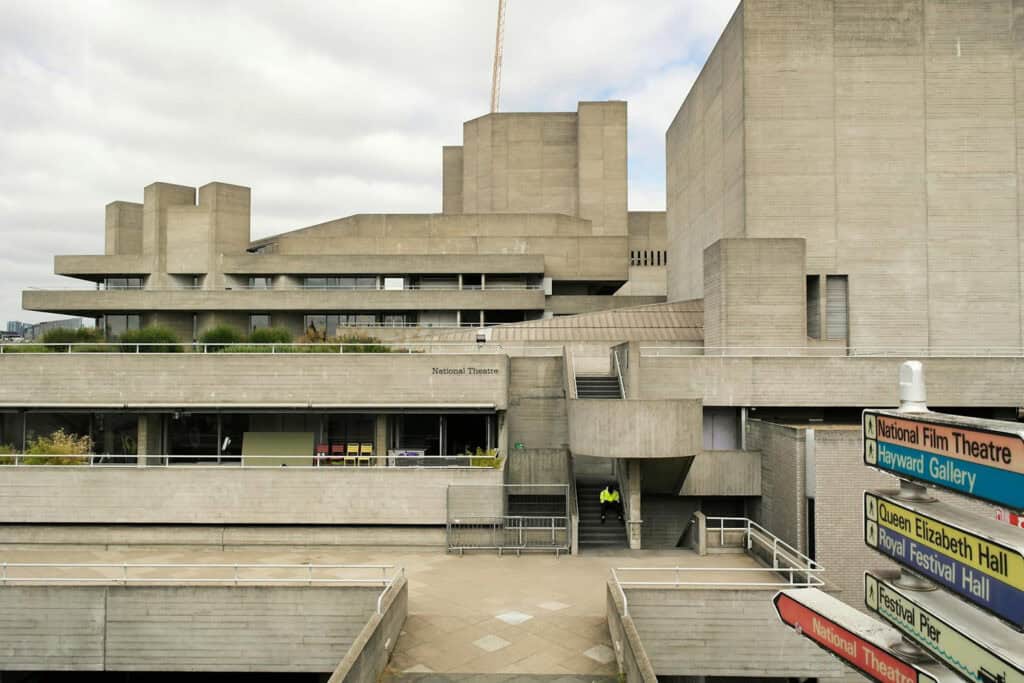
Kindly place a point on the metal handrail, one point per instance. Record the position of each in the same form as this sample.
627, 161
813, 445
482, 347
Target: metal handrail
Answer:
814, 351
618, 374
294, 288
570, 367
753, 531
389, 574
426, 348
215, 461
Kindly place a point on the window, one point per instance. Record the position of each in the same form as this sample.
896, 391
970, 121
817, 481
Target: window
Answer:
261, 283
341, 282
116, 325
394, 283
814, 306
836, 306
257, 321
123, 283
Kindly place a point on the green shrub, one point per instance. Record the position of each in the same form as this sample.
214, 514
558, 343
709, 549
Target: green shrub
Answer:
488, 458
6, 451
25, 348
220, 336
362, 344
153, 334
82, 335
271, 335
75, 448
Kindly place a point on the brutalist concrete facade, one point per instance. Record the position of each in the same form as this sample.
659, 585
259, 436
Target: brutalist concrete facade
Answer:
886, 135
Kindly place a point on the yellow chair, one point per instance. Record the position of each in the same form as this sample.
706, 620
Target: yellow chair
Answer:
352, 454
366, 454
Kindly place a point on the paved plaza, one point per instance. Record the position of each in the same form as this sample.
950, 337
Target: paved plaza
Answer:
472, 614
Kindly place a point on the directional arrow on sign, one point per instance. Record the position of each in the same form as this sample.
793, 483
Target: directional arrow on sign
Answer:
969, 642
860, 641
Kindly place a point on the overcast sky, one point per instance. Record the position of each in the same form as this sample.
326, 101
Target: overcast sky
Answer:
324, 109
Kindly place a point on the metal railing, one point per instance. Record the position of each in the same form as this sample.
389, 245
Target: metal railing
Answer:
224, 574
298, 288
826, 351
336, 461
430, 348
618, 373
516, 533
762, 544
680, 578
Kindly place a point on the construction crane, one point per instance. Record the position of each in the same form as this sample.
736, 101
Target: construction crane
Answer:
499, 41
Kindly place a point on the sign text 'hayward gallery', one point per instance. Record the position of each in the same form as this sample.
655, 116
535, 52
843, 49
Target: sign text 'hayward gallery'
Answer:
965, 455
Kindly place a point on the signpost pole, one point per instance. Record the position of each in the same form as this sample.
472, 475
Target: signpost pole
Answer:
913, 399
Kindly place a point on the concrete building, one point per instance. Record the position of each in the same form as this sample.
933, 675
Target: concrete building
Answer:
842, 195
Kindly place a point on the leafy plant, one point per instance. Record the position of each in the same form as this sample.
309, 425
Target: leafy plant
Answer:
271, 335
74, 449
357, 343
6, 451
82, 335
153, 334
485, 458
220, 336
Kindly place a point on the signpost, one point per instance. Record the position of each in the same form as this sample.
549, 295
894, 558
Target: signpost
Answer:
985, 566
857, 639
983, 459
976, 646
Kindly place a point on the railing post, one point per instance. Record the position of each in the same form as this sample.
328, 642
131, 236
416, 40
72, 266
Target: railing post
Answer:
310, 566
5, 573
124, 573
236, 573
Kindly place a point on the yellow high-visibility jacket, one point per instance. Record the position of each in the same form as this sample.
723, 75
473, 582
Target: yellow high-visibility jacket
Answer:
609, 496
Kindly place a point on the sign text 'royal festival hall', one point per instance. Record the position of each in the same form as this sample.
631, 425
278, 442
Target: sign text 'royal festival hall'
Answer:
965, 455
987, 572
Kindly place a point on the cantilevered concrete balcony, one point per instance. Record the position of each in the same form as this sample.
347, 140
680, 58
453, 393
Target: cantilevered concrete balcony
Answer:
112, 265
638, 429
404, 264
91, 302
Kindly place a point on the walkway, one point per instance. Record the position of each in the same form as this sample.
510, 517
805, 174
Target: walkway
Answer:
475, 614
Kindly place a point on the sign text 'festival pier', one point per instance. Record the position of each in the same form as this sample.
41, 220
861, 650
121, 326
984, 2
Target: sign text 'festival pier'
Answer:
974, 645
983, 459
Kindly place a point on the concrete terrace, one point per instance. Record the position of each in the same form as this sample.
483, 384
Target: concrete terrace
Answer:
474, 614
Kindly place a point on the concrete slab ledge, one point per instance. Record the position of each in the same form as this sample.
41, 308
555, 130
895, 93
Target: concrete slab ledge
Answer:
13, 536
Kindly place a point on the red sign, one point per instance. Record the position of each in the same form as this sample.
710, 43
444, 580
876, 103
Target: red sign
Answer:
872, 661
1010, 518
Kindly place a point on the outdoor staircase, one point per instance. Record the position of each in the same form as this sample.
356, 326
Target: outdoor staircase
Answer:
593, 534
598, 386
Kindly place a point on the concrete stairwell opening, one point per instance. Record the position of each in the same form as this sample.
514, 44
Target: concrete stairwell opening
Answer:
598, 386
594, 534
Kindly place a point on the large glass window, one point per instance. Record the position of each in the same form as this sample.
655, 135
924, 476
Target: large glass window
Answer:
258, 321
261, 283
116, 325
192, 434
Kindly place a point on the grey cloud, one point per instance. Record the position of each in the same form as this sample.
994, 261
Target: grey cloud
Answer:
324, 109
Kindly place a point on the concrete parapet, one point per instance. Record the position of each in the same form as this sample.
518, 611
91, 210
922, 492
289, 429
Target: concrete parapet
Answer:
629, 650
637, 429
370, 652
234, 496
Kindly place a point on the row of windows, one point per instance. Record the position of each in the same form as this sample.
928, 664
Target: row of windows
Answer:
648, 257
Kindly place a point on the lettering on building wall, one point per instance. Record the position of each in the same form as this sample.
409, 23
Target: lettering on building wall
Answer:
464, 371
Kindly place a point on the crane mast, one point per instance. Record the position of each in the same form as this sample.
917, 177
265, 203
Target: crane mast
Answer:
499, 40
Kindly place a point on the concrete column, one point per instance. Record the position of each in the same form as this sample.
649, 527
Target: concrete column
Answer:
149, 438
635, 521
380, 439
